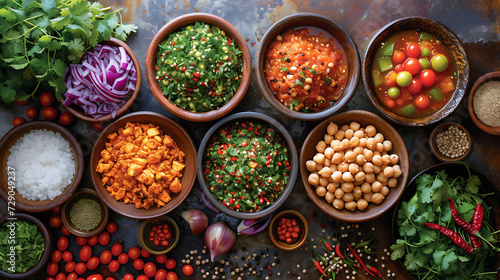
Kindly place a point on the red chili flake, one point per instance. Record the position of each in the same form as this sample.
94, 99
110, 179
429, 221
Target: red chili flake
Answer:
234, 158
210, 29
183, 68
220, 181
189, 89
173, 44
228, 136
256, 132
237, 206
196, 74
168, 52
220, 152
246, 176
231, 200
176, 67
230, 59
156, 67
244, 143
250, 128
207, 170
223, 166
195, 79
203, 39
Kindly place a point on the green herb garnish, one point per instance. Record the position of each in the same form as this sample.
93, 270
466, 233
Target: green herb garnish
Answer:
312, 71
327, 80
298, 82
284, 69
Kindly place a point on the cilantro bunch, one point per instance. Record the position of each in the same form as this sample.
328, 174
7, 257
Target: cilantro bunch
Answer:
40, 38
427, 253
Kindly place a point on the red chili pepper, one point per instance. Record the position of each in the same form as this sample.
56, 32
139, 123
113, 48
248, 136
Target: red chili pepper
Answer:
183, 68
327, 245
452, 235
338, 252
476, 242
374, 270
358, 258
477, 222
318, 266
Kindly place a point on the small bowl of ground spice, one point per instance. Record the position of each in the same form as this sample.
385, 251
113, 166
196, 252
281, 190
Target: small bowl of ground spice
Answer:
484, 103
85, 214
450, 142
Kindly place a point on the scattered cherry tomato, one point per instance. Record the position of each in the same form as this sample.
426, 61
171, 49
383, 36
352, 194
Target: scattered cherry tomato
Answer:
95, 277
97, 126
81, 240
427, 77
104, 238
161, 274
85, 253
113, 266
134, 252
415, 86
111, 227
81, 278
170, 263
128, 276
123, 258
49, 113
398, 57
52, 268
142, 277
390, 103
93, 263
50, 278
80, 268
187, 270
47, 99
67, 256
32, 113
61, 276
55, 221
56, 210
93, 240
106, 256
145, 253
21, 103
161, 258
172, 276
57, 256
70, 267
17, 121
62, 243
66, 118
412, 65
109, 278
138, 264
116, 249
72, 276
65, 230
149, 269
412, 50
422, 101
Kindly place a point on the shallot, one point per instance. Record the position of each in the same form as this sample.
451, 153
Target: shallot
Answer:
253, 226
197, 219
219, 238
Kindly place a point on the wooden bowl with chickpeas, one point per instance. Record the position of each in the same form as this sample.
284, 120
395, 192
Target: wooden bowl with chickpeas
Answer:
354, 166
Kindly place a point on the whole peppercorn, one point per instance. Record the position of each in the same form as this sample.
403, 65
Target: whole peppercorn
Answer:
452, 142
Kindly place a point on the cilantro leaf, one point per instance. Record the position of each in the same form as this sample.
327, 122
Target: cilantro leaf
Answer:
8, 15
407, 228
449, 261
413, 261
7, 94
473, 184
48, 5
58, 67
398, 249
124, 30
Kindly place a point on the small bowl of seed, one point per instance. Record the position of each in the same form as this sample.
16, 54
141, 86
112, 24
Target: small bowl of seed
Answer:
85, 214
450, 142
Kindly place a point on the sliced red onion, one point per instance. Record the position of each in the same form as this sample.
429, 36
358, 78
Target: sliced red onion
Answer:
219, 238
253, 226
102, 82
207, 202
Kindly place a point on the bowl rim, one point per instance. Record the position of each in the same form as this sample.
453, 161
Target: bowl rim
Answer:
96, 177
79, 114
297, 244
432, 142
353, 78
386, 205
491, 76
232, 32
104, 214
142, 227
77, 153
47, 246
292, 174
423, 121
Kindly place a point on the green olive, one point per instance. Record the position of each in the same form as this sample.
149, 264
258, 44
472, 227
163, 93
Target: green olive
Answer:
403, 79
439, 63
424, 63
393, 92
425, 52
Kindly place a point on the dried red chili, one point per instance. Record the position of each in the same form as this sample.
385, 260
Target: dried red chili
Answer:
472, 229
452, 235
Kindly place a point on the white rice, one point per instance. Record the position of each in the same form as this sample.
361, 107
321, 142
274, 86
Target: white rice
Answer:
44, 164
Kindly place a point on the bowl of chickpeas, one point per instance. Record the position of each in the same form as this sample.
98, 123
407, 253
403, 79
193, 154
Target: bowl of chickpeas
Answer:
354, 166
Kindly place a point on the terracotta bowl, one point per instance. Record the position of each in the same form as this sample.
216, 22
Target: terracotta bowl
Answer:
163, 34
301, 222
78, 112
47, 251
84, 194
433, 145
448, 38
293, 159
10, 139
329, 28
364, 118
143, 228
493, 76
167, 126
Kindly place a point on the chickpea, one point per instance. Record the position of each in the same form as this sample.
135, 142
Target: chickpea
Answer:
357, 192
332, 128
397, 171
362, 142
343, 167
377, 198
336, 176
347, 177
331, 187
382, 178
379, 137
370, 177
339, 135
350, 156
392, 183
337, 145
377, 153
321, 191
376, 186
379, 147
319, 158
358, 150
371, 144
327, 162
345, 127
368, 167
319, 167
362, 204
384, 191
329, 152
328, 139
394, 159
320, 147
360, 159
346, 144
347, 187
333, 167
351, 205
348, 197
353, 168
339, 193
337, 158
325, 172
370, 130
368, 154
377, 160
368, 196
387, 145
366, 187
323, 181
310, 165
354, 126
338, 203
354, 141
359, 133
349, 133
386, 159
376, 169
360, 176
389, 172
313, 179
329, 197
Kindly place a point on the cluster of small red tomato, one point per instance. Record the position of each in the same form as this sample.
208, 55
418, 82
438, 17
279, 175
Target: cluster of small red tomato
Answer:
48, 112
113, 258
288, 230
160, 234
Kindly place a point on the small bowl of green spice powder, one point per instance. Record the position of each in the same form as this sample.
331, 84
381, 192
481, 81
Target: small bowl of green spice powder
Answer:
85, 214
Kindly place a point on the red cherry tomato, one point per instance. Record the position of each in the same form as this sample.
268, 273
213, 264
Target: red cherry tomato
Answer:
55, 221
80, 268
415, 87
390, 79
21, 103
95, 277
32, 113
56, 210
412, 50
81, 240
187, 270
62, 243
111, 227
49, 113
52, 268
145, 253
65, 230
66, 118
398, 68
47, 99
106, 257
128, 276
390, 103
97, 126
170, 263
61, 276
113, 266
81, 278
161, 258
50, 278
93, 240
104, 238
398, 57
72, 276
123, 258
17, 121
422, 101
57, 256
70, 267
134, 252
116, 249
67, 256
85, 253
149, 269
109, 278
138, 264
142, 277
427, 77
93, 263
161, 274
412, 65
172, 276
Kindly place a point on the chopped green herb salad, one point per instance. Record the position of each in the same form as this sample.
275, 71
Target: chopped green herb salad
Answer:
246, 166
21, 246
199, 68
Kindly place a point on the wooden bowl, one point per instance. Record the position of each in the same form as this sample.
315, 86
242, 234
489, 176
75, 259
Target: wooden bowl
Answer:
78, 112
84, 194
47, 250
448, 38
293, 158
364, 118
301, 222
347, 46
163, 34
142, 230
493, 76
168, 127
433, 145
22, 203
